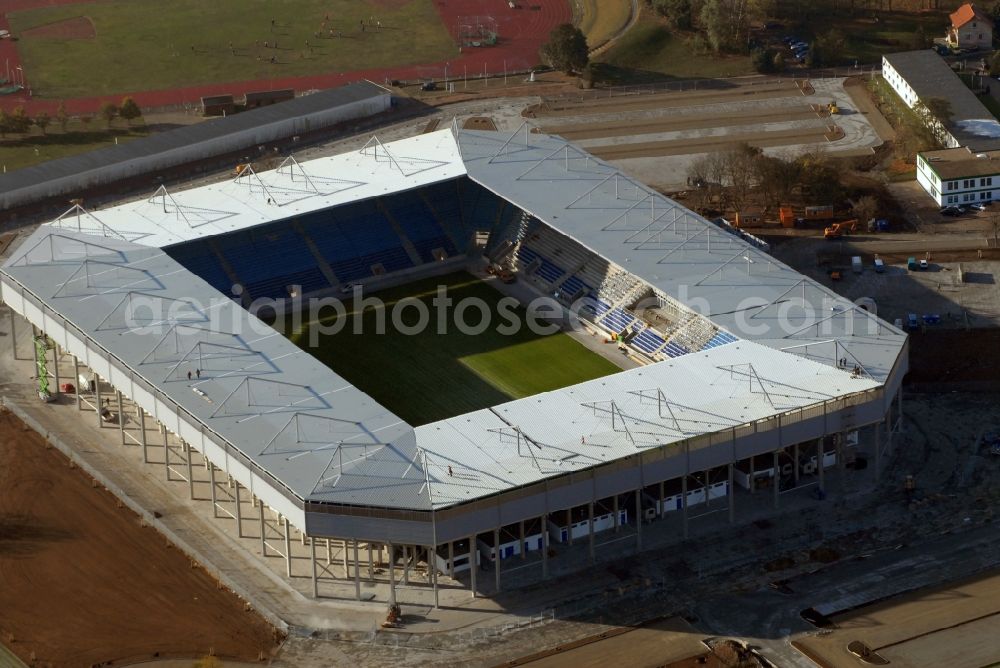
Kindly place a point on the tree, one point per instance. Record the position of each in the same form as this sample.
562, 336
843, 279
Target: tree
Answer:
86, 120
936, 114
866, 208
740, 173
62, 117
779, 62
776, 178
108, 112
727, 23
678, 12
4, 122
20, 122
763, 60
827, 49
566, 49
129, 110
918, 39
42, 120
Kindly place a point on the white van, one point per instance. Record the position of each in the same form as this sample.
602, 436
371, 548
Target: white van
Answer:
856, 265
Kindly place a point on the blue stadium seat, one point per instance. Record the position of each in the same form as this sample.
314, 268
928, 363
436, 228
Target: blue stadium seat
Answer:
352, 238
199, 258
268, 259
419, 224
648, 341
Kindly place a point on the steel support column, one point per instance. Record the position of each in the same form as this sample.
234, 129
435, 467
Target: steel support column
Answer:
121, 416
76, 381
795, 463
263, 541
392, 575
684, 505
288, 548
473, 565
638, 520
432, 571
190, 469
97, 400
211, 483
496, 557
239, 516
777, 478
406, 566
142, 435
820, 468
451, 559
545, 547
55, 366
731, 493
614, 509
357, 573
590, 530
521, 547
312, 563
878, 450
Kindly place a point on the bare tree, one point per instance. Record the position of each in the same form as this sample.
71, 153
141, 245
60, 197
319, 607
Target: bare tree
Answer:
866, 208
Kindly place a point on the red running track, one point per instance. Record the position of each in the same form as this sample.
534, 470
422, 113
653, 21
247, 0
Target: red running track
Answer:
522, 32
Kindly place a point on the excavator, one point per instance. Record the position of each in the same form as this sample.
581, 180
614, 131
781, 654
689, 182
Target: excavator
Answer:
838, 230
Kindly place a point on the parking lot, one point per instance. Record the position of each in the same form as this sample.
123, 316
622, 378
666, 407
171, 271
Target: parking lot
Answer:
957, 285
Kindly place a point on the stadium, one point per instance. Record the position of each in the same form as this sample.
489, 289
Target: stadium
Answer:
463, 452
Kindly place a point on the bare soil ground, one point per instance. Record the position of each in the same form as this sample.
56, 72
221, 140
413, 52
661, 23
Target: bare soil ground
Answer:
935, 358
953, 626
855, 87
590, 104
84, 583
667, 643
78, 27
701, 144
624, 128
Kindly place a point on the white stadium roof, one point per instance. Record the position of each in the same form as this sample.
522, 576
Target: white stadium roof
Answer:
324, 440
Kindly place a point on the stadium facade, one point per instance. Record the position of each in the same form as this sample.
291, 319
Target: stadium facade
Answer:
751, 371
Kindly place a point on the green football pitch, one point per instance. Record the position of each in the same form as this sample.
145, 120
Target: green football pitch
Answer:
428, 376
113, 46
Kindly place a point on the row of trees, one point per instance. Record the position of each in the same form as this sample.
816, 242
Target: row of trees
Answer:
726, 23
727, 27
728, 179
19, 122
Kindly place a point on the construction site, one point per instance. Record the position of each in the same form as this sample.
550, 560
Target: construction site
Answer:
757, 551
635, 130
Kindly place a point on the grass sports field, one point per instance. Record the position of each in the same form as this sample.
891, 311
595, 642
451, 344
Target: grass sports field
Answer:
97, 48
427, 377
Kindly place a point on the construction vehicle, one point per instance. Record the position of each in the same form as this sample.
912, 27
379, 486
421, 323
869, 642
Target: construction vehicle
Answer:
240, 168
909, 485
832, 108
838, 230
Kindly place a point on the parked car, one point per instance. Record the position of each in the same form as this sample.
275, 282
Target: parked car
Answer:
924, 266
952, 210
911, 321
979, 206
